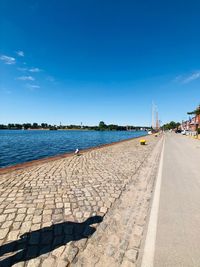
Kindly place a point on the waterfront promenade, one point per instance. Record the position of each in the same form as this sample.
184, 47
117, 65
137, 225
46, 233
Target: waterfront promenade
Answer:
173, 231
48, 210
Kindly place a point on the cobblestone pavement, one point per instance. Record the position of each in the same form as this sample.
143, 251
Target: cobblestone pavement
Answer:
47, 211
118, 239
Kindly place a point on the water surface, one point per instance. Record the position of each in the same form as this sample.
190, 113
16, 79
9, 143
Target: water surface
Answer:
17, 146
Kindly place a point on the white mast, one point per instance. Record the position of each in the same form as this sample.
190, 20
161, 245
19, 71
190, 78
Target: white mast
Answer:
152, 115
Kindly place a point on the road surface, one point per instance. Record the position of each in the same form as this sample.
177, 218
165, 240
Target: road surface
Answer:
175, 241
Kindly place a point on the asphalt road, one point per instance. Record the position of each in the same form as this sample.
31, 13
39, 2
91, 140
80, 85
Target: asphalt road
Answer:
177, 235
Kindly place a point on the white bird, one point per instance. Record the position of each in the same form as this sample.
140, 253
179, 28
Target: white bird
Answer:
76, 151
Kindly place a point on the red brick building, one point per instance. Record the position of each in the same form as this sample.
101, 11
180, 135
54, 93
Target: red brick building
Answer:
193, 123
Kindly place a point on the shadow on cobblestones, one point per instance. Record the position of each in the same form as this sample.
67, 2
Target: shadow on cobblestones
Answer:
36, 243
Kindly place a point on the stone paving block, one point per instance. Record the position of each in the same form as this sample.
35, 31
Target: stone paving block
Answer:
6, 224
28, 217
135, 241
86, 214
11, 216
58, 211
16, 225
59, 205
37, 219
34, 263
79, 214
30, 210
38, 212
70, 252
62, 263
67, 205
22, 210
68, 212
35, 227
40, 206
7, 211
10, 206
13, 235
138, 230
49, 262
3, 233
26, 226
103, 209
20, 217
58, 251
131, 255
46, 218
57, 218
46, 224
47, 212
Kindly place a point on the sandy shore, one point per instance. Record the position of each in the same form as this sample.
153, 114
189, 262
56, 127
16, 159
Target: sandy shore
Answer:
41, 199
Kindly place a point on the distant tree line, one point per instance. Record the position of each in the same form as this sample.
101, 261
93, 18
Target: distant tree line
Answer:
26, 126
101, 127
113, 127
171, 125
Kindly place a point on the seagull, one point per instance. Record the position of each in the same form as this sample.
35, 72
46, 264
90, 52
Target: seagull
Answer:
76, 151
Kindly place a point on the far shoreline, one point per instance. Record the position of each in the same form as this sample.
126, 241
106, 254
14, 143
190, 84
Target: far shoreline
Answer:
74, 129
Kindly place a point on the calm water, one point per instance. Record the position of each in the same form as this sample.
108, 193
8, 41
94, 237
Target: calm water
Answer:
22, 146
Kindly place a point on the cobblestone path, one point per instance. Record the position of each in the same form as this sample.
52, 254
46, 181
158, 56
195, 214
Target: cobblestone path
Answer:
117, 242
47, 211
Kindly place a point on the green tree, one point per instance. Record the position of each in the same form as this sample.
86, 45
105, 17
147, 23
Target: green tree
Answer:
44, 125
35, 125
18, 126
27, 125
171, 125
112, 127
102, 125
11, 126
195, 112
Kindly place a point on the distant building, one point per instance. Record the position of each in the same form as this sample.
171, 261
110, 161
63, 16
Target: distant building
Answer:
192, 124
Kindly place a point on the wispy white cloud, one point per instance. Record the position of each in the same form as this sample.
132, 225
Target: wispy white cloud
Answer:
193, 76
26, 78
188, 78
7, 60
35, 70
32, 87
20, 53
35, 86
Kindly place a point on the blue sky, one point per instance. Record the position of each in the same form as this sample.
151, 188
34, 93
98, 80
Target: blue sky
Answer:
86, 61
